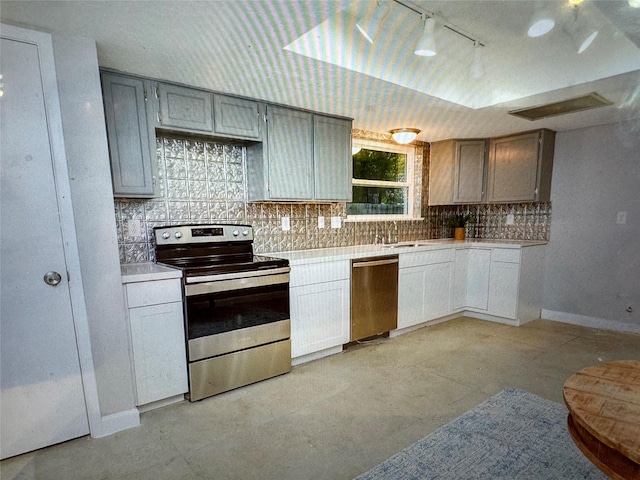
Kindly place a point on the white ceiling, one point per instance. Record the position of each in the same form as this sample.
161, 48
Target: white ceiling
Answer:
308, 54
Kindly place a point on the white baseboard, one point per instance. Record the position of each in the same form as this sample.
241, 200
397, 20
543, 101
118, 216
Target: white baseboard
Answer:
593, 322
161, 403
118, 421
315, 355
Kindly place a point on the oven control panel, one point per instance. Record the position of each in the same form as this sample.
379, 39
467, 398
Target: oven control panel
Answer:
185, 234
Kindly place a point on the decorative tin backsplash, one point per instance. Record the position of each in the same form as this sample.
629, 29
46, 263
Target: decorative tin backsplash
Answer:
205, 182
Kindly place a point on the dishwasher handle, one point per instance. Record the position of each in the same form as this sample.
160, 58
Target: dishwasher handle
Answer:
373, 263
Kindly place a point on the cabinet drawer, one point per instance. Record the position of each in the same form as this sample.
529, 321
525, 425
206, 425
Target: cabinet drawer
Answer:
509, 255
426, 258
319, 273
153, 293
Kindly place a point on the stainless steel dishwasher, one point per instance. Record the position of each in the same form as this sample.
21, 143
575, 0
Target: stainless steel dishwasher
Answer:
374, 296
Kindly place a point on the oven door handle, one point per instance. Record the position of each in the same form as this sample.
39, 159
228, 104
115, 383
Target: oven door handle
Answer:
235, 275
236, 283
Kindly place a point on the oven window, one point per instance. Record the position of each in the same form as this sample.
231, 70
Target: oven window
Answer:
219, 312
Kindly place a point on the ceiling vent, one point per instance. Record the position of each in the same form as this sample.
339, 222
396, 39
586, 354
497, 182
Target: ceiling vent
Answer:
585, 102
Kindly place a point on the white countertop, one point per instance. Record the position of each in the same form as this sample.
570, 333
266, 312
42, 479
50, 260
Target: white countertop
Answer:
300, 257
143, 272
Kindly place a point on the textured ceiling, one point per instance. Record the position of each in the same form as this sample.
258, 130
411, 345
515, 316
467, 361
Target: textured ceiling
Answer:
265, 49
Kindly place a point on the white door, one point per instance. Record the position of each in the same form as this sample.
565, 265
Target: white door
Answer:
42, 398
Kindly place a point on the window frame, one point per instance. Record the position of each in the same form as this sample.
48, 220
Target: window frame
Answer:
409, 184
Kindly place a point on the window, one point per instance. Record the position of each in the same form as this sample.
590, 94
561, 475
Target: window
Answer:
382, 181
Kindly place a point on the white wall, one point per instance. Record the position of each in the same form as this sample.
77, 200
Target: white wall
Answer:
92, 197
593, 264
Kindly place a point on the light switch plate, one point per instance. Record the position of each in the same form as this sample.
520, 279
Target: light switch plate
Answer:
510, 219
336, 222
286, 224
621, 218
320, 222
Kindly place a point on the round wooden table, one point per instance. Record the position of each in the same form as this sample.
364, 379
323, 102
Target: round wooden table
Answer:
604, 416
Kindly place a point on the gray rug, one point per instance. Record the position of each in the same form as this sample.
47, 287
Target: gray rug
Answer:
513, 435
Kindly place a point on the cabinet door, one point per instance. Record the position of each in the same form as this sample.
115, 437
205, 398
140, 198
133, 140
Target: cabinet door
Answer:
478, 278
410, 296
513, 168
441, 171
437, 290
186, 108
290, 154
332, 158
236, 117
424, 293
131, 141
503, 289
469, 171
159, 357
460, 275
319, 317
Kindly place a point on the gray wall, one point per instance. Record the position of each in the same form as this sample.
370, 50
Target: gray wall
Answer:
92, 196
593, 263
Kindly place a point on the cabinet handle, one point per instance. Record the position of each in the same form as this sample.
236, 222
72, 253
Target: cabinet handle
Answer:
146, 95
159, 119
157, 92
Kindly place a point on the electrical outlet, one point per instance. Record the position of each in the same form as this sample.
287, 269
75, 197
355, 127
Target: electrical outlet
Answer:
134, 227
286, 224
510, 219
336, 222
621, 218
320, 222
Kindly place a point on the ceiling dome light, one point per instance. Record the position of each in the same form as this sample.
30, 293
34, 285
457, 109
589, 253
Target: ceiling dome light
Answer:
426, 45
404, 135
369, 27
634, 3
355, 150
541, 23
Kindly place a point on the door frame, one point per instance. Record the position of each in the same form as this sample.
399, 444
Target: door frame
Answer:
44, 42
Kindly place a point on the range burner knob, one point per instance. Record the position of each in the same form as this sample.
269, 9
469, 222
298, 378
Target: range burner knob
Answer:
166, 235
245, 232
235, 233
178, 234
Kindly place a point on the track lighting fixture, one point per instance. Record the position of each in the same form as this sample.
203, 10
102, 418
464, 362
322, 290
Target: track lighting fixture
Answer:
368, 27
477, 65
581, 33
426, 45
404, 135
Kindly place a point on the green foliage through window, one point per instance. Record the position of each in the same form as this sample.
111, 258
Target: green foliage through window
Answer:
379, 183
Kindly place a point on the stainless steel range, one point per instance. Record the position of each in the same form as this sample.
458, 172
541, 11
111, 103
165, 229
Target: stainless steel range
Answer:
236, 306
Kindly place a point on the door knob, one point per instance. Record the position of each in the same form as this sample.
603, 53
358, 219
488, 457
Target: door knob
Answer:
52, 278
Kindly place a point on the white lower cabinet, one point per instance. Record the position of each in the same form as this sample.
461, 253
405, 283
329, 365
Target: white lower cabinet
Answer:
478, 276
157, 339
424, 291
320, 306
503, 289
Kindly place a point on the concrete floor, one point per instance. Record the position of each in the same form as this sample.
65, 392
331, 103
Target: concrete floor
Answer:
339, 416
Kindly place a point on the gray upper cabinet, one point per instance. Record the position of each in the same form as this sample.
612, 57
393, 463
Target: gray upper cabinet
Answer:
130, 135
332, 158
184, 108
290, 154
456, 172
237, 117
520, 167
302, 157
